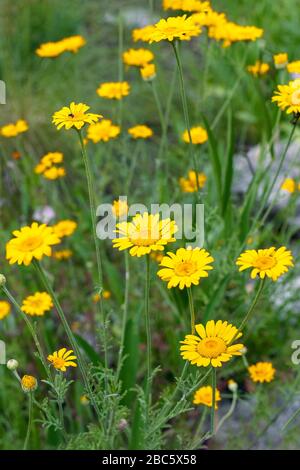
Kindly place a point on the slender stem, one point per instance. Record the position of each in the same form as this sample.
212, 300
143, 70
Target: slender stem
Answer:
213, 408
252, 307
192, 309
148, 328
125, 313
31, 329
61, 418
163, 126
73, 342
185, 110
29, 421
230, 411
120, 62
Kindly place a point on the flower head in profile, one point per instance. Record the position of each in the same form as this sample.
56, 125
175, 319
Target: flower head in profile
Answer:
268, 262
182, 28
148, 72
143, 34
4, 309
73, 43
294, 67
28, 383
50, 50
37, 304
113, 90
14, 129
187, 5
230, 32
74, 115
62, 359
62, 255
281, 60
189, 184
144, 234
31, 242
185, 267
262, 372
140, 132
137, 57
287, 97
198, 135
213, 345
65, 228
289, 185
103, 131
259, 68
204, 396
120, 208
54, 173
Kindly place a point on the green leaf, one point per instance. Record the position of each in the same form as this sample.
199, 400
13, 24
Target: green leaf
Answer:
215, 160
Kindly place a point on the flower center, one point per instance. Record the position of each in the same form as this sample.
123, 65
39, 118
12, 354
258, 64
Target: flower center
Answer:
71, 115
186, 268
296, 98
211, 347
144, 237
31, 243
265, 262
58, 362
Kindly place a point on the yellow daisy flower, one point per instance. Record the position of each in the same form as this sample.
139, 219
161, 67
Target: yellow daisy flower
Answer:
189, 185
74, 116
259, 68
37, 304
31, 242
288, 97
198, 135
28, 383
281, 60
113, 90
211, 19
73, 43
204, 396
212, 346
103, 131
294, 67
262, 372
143, 34
137, 57
230, 33
61, 255
64, 228
179, 27
119, 208
185, 267
140, 132
267, 262
12, 130
4, 309
50, 49
144, 234
62, 359
54, 173
289, 185
148, 72
187, 5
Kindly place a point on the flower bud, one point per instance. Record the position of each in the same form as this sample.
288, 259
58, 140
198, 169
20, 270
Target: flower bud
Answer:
28, 383
2, 280
12, 364
232, 385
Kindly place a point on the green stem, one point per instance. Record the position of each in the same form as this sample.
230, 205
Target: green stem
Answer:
185, 110
252, 307
29, 421
213, 408
72, 340
125, 313
192, 309
148, 329
61, 418
120, 62
230, 411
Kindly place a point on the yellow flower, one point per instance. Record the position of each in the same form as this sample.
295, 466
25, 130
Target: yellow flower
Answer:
73, 43
204, 396
280, 60
54, 173
74, 116
198, 135
230, 32
137, 57
158, 257
262, 372
144, 234
113, 90
268, 262
288, 97
143, 34
62, 254
185, 267
189, 185
259, 68
179, 27
106, 294
62, 359
187, 5
50, 49
148, 72
37, 304
4, 309
12, 130
84, 400
213, 345
48, 160
210, 19
140, 132
294, 67
103, 131
64, 228
31, 242
289, 185
28, 383
119, 208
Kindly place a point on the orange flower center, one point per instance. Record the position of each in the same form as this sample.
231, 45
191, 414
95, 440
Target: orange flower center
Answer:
144, 237
296, 98
264, 262
31, 243
186, 268
58, 362
211, 347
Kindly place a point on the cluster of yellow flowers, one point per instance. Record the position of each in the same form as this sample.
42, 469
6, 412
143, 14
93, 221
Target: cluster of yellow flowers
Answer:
14, 129
141, 58
48, 166
259, 68
56, 48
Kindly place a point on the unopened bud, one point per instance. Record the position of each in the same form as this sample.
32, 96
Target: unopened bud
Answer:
2, 280
12, 364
